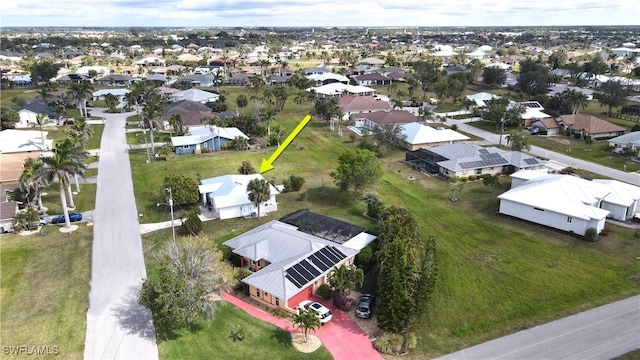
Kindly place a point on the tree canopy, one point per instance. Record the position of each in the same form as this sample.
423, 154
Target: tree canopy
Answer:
612, 94
493, 77
534, 77
358, 169
519, 140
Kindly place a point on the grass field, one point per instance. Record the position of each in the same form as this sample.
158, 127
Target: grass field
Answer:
45, 290
85, 200
212, 340
497, 274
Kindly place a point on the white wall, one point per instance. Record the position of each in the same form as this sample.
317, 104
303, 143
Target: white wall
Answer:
618, 212
549, 218
248, 209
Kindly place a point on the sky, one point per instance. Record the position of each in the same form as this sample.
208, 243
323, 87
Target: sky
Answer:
276, 13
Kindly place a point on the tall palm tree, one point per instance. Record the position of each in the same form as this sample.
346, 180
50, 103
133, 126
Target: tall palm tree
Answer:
268, 114
306, 320
79, 134
41, 121
64, 162
80, 92
30, 185
150, 113
70, 148
259, 192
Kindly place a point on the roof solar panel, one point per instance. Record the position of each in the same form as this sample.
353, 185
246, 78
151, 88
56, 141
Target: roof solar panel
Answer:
324, 258
295, 278
320, 264
332, 257
337, 252
302, 271
312, 269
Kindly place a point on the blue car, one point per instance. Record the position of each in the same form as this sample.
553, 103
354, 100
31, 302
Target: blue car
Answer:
73, 216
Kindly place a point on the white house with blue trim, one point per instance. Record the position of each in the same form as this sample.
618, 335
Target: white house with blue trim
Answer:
228, 197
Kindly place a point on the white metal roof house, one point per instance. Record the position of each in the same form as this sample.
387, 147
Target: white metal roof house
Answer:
480, 99
24, 141
291, 258
462, 159
419, 136
562, 202
631, 140
623, 201
196, 95
336, 89
228, 197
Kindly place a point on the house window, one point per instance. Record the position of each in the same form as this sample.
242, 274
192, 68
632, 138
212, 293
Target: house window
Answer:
258, 292
478, 171
569, 219
186, 147
205, 145
277, 302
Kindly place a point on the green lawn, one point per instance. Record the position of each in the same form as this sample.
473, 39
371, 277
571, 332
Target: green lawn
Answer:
45, 290
212, 340
497, 274
137, 137
85, 200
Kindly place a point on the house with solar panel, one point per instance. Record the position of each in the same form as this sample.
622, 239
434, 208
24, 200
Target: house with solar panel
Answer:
291, 258
461, 160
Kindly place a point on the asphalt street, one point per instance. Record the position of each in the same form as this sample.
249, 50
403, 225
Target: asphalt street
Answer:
601, 333
117, 326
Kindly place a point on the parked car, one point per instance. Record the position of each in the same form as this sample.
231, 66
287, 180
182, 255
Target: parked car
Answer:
44, 220
73, 216
324, 314
365, 306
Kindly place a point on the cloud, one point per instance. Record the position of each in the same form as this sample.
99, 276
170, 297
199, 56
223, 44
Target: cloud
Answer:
217, 13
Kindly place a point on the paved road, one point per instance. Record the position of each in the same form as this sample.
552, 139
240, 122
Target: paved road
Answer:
601, 333
117, 327
628, 177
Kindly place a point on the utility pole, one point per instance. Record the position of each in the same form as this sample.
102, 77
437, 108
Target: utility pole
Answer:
173, 228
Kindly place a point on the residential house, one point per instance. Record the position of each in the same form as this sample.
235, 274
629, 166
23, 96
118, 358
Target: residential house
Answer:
623, 200
115, 79
563, 202
195, 95
198, 80
373, 79
203, 137
291, 258
629, 140
583, 125
192, 113
28, 114
380, 117
73, 78
352, 104
15, 147
456, 70
463, 160
227, 197
8, 208
316, 71
278, 79
548, 126
419, 136
328, 78
560, 88
120, 94
240, 79
481, 99
150, 60
371, 61
336, 90
158, 79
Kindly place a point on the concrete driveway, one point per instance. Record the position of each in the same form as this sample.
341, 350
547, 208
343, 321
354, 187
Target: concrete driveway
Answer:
117, 327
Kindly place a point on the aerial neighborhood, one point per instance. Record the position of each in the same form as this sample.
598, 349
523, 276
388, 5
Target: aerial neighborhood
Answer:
352, 193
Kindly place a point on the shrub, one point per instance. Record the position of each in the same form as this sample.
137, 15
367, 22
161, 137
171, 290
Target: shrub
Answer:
286, 184
365, 256
296, 182
591, 234
324, 291
192, 225
389, 343
472, 178
410, 341
206, 150
463, 179
341, 302
238, 334
352, 137
637, 234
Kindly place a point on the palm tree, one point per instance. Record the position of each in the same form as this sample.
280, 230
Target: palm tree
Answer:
69, 146
268, 114
343, 279
306, 320
64, 162
259, 192
79, 134
217, 79
149, 114
111, 101
41, 121
242, 101
81, 92
28, 184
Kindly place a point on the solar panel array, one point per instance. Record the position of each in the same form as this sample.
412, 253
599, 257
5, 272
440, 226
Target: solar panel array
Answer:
310, 268
482, 163
530, 161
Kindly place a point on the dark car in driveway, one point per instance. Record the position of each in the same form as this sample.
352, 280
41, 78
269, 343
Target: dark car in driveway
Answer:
73, 216
365, 306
